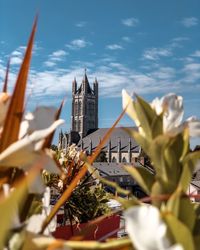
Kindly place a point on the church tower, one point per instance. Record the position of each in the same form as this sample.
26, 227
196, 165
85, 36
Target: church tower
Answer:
84, 118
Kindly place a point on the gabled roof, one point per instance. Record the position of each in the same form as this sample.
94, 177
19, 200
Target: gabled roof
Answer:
118, 134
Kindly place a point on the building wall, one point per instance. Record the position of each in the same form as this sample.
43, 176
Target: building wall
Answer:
84, 107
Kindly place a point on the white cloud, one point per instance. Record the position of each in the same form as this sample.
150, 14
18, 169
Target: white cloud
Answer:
163, 73
49, 64
192, 72
130, 22
78, 44
189, 22
59, 53
114, 47
81, 24
156, 53
196, 53
126, 39
56, 56
17, 55
177, 41
15, 60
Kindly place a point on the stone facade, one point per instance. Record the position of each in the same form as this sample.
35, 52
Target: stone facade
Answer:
84, 118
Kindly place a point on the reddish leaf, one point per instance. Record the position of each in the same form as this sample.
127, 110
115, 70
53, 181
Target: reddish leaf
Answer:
16, 107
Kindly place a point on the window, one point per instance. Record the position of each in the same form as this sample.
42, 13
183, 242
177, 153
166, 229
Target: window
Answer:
80, 108
76, 108
114, 159
124, 159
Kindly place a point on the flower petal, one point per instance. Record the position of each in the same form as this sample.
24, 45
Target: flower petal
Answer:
146, 229
26, 151
40, 119
127, 102
173, 112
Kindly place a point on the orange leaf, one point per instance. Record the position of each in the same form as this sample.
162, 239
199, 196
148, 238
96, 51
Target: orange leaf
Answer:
16, 107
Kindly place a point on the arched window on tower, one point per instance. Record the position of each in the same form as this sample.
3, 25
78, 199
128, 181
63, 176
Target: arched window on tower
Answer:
76, 108
80, 107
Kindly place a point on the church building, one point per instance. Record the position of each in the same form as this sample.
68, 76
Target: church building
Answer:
121, 147
84, 118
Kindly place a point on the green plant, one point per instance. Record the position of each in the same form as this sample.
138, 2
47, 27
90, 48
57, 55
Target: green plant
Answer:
165, 139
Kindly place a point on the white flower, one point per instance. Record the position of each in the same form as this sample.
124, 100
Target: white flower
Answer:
146, 229
171, 106
35, 222
28, 151
40, 119
127, 103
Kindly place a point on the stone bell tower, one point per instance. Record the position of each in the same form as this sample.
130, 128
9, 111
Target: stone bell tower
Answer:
84, 118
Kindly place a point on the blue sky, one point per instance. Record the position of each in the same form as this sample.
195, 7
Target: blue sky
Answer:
150, 47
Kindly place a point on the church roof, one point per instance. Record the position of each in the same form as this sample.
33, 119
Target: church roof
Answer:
118, 134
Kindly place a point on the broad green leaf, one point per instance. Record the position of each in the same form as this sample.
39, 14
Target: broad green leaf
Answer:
145, 115
172, 163
9, 208
187, 213
186, 175
197, 242
186, 143
156, 153
173, 204
142, 176
157, 126
157, 192
193, 158
196, 230
142, 141
180, 233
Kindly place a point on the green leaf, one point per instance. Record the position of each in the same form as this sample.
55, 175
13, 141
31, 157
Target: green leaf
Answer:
145, 114
157, 191
186, 143
156, 153
180, 233
157, 126
193, 158
142, 176
197, 242
187, 213
186, 175
142, 141
173, 204
9, 207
